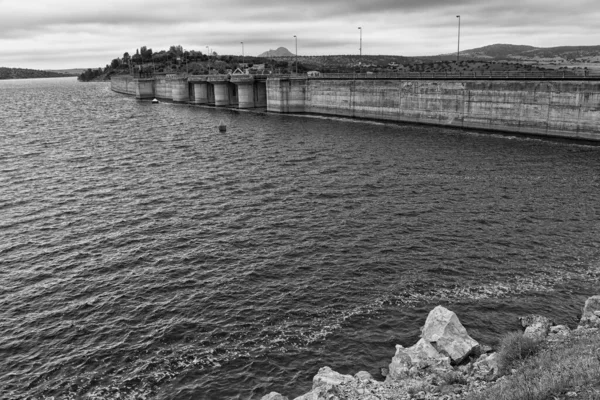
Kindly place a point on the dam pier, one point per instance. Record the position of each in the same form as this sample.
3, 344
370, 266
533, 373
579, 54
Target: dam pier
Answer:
544, 104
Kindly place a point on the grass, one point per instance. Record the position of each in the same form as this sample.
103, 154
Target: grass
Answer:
515, 347
571, 366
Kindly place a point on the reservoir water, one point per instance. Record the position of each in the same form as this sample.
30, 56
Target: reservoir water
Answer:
144, 254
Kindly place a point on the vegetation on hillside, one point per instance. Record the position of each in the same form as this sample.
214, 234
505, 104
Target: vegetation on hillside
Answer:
500, 57
24, 73
570, 368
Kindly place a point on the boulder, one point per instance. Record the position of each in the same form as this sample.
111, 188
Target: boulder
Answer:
591, 312
363, 376
449, 337
273, 396
536, 326
486, 367
420, 356
559, 331
326, 376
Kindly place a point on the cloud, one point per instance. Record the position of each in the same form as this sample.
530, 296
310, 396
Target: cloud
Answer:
62, 33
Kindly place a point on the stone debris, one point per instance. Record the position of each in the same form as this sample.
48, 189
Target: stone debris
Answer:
274, 396
442, 365
407, 362
591, 312
536, 326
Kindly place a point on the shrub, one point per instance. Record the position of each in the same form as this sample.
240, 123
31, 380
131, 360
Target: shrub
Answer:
453, 377
515, 347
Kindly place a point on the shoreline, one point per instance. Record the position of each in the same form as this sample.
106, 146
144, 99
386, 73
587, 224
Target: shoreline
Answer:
447, 364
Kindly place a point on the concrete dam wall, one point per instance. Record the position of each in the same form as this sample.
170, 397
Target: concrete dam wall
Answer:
555, 108
568, 109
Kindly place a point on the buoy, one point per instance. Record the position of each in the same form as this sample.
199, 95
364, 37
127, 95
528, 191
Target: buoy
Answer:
154, 101
222, 127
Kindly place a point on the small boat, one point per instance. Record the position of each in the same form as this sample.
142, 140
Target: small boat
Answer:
155, 101
222, 127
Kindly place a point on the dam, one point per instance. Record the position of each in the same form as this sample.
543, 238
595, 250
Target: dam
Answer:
550, 105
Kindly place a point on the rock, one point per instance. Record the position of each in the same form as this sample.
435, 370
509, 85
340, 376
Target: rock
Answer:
308, 396
536, 326
559, 330
273, 396
326, 376
363, 376
484, 348
445, 332
486, 367
590, 316
408, 361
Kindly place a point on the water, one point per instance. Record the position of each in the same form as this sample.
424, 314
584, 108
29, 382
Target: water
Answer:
146, 255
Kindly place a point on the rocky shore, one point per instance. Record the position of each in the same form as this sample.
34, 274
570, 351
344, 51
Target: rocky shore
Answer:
446, 363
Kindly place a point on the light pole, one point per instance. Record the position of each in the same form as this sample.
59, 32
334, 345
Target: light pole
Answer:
208, 59
360, 48
458, 50
244, 65
296, 54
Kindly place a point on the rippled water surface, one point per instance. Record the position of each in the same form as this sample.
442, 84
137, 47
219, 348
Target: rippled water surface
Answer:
144, 254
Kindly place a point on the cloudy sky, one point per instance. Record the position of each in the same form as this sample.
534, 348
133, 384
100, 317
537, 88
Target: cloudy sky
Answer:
44, 34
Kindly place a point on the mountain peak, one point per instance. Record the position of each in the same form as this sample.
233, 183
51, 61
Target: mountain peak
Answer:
280, 52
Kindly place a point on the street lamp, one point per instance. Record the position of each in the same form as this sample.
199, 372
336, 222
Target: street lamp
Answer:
243, 55
458, 50
296, 54
360, 48
208, 59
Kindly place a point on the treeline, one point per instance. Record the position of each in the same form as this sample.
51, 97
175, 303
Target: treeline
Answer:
177, 59
91, 74
24, 73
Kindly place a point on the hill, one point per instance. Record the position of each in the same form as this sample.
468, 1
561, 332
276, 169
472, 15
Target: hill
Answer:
24, 73
511, 52
69, 72
280, 52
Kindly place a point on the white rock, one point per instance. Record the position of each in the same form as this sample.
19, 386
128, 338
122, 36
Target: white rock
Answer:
273, 396
408, 361
536, 326
363, 376
589, 316
327, 376
445, 332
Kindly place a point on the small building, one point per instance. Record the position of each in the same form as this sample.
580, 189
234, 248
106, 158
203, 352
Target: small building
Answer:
257, 67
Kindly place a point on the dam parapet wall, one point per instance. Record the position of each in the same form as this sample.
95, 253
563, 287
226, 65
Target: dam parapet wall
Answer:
556, 108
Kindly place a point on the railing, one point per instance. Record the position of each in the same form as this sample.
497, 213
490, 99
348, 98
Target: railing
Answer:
479, 75
466, 75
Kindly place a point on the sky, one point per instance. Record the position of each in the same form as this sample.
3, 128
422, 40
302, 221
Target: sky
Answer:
60, 34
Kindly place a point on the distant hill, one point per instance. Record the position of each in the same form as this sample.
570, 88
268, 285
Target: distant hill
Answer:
280, 52
69, 72
508, 52
23, 73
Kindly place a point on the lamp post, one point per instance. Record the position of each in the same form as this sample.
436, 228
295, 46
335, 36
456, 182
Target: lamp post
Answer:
296, 54
244, 65
360, 44
208, 59
458, 49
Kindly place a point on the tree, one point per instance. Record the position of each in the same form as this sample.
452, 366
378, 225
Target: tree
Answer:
137, 58
126, 58
146, 53
176, 51
115, 63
